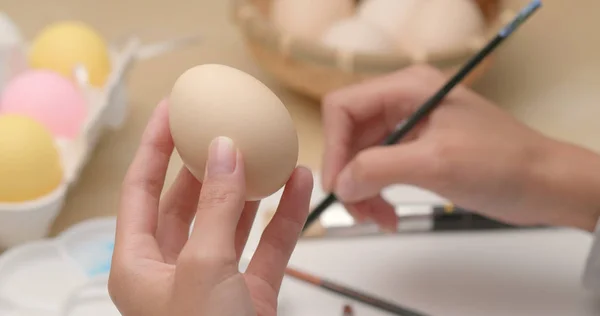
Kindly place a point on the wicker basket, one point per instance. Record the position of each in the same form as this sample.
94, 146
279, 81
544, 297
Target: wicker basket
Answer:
314, 70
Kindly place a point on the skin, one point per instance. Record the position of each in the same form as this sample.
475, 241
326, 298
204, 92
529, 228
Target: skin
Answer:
468, 151
159, 269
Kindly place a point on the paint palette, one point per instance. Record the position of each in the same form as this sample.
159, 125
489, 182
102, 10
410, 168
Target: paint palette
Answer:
63, 276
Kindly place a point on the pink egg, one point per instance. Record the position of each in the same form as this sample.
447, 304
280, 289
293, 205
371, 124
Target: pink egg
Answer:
48, 97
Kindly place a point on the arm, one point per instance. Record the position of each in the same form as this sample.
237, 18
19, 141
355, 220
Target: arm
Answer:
567, 182
468, 151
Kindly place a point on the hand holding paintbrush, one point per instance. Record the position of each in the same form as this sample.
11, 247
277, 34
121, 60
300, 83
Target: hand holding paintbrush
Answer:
414, 159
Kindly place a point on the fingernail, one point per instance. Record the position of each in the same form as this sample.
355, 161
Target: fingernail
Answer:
349, 190
221, 157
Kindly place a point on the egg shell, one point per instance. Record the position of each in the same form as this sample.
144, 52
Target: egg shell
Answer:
48, 97
65, 45
211, 100
30, 163
308, 19
356, 35
394, 17
442, 25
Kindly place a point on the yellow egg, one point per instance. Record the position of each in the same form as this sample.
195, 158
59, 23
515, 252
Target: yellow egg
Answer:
62, 46
30, 165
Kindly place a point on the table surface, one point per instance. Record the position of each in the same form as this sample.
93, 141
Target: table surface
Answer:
547, 75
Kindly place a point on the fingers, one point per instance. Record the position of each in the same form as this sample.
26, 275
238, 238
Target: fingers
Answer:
220, 205
244, 226
141, 190
177, 210
376, 168
376, 209
281, 235
392, 98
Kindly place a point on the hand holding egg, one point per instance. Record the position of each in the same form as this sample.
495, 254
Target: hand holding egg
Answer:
211, 101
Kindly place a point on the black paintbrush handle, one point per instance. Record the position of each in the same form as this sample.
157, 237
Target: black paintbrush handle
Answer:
369, 300
316, 213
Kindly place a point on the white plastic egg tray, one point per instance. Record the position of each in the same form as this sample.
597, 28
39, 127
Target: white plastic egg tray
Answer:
107, 109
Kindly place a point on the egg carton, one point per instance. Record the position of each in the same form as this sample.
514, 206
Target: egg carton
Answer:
107, 110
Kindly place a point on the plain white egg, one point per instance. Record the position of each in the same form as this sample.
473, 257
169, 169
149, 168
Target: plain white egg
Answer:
443, 25
356, 35
9, 33
308, 19
392, 16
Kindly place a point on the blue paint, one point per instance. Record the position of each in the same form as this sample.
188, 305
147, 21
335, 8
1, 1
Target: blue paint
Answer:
101, 269
103, 266
521, 17
95, 258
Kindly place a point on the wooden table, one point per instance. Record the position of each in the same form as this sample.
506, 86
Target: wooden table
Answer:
548, 74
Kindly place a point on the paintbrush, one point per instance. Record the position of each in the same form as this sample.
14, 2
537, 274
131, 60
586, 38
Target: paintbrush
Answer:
352, 294
405, 127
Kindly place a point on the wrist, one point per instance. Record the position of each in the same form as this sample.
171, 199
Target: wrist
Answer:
566, 182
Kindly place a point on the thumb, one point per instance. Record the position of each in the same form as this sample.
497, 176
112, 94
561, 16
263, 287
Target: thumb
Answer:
375, 168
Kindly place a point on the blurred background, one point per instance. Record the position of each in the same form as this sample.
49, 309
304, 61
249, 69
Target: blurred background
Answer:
547, 74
